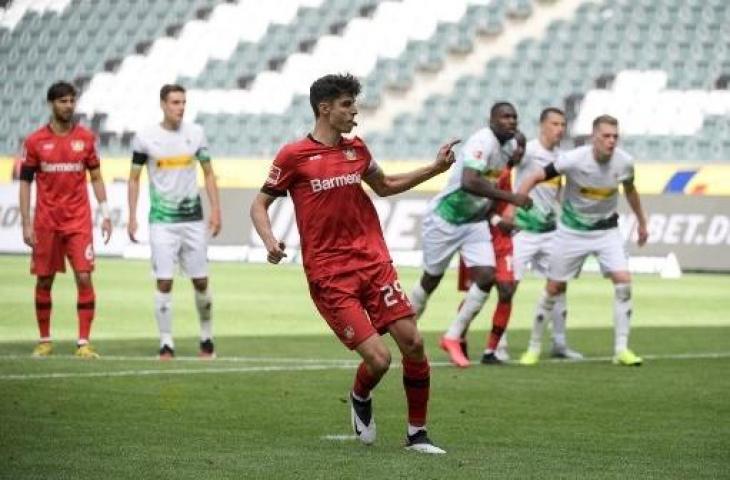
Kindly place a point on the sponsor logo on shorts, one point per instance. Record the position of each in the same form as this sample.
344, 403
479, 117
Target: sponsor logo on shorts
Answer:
61, 167
319, 185
274, 175
78, 145
348, 332
89, 252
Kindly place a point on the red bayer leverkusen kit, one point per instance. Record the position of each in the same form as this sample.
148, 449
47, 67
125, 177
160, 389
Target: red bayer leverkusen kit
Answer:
338, 225
62, 218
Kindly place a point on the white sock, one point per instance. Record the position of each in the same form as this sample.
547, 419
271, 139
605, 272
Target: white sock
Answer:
502, 345
163, 315
542, 316
621, 316
204, 303
414, 430
419, 298
558, 317
473, 303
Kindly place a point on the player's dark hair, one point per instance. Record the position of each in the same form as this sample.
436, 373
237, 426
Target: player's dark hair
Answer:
546, 112
169, 88
498, 106
329, 87
60, 90
607, 119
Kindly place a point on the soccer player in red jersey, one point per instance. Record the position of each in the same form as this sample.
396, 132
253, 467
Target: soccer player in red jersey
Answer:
58, 155
501, 229
350, 273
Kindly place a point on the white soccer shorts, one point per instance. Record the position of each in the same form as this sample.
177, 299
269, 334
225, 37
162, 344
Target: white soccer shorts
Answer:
571, 248
183, 243
441, 240
532, 250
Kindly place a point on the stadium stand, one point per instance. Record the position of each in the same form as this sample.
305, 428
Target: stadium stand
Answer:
661, 66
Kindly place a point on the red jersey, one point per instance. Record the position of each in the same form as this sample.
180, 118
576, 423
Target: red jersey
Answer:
338, 225
60, 164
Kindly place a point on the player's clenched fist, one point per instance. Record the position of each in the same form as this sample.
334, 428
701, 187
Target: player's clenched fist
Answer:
276, 251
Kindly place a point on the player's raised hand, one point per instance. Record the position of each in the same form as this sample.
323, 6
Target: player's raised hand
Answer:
446, 156
643, 234
214, 223
29, 235
276, 251
106, 229
132, 229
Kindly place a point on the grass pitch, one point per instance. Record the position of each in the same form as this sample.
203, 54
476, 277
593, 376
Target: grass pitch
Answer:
274, 404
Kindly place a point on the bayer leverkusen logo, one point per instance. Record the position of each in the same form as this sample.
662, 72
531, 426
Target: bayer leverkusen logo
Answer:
77, 145
350, 154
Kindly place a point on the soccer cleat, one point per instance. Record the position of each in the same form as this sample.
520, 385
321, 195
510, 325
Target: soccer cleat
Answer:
363, 423
419, 442
42, 350
529, 358
565, 353
453, 348
166, 353
207, 350
627, 358
86, 352
491, 359
501, 353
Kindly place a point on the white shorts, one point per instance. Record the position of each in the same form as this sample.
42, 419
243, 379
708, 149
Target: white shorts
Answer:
185, 243
441, 240
532, 250
570, 249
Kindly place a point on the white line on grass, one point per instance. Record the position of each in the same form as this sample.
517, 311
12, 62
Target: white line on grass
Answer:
295, 366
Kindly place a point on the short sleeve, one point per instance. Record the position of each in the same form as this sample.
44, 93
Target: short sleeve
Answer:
626, 175
475, 153
92, 155
281, 174
202, 153
139, 151
371, 164
564, 163
28, 157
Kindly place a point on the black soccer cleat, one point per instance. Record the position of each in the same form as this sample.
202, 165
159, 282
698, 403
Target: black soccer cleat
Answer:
491, 359
207, 350
419, 442
166, 353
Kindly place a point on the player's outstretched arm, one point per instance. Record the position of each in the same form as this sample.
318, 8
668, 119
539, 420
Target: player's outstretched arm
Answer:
632, 197
539, 175
97, 184
262, 223
473, 182
385, 185
211, 188
132, 197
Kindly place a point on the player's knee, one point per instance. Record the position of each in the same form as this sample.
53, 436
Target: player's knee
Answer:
506, 292
485, 279
555, 288
83, 280
164, 286
44, 283
200, 284
380, 362
430, 282
413, 346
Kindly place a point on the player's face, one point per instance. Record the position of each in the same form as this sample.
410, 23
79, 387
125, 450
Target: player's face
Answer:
605, 138
173, 107
63, 108
341, 113
553, 128
504, 121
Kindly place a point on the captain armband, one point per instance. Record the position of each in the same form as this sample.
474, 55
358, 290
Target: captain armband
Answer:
550, 171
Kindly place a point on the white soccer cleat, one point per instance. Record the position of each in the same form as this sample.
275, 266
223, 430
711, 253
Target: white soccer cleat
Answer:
501, 353
363, 423
565, 353
419, 442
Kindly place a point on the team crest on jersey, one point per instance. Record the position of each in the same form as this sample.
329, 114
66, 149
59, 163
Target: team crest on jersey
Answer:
77, 145
274, 175
350, 154
349, 332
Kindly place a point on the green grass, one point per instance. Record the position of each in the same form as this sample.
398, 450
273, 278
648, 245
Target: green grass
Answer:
128, 416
